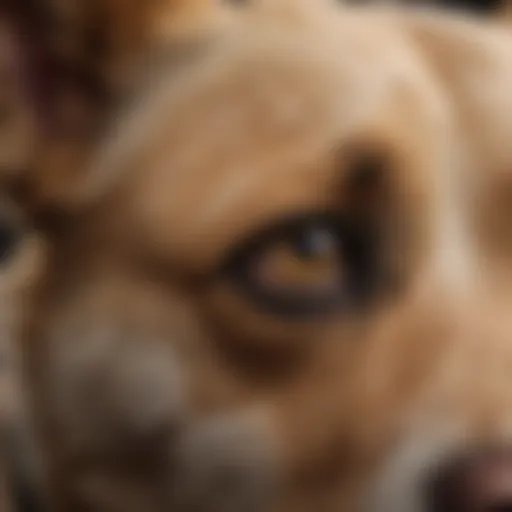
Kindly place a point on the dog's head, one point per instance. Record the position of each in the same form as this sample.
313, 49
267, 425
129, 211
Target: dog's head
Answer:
277, 274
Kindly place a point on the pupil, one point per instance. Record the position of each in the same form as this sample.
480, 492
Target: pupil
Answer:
314, 243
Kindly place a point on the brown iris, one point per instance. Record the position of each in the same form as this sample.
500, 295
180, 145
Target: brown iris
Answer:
307, 262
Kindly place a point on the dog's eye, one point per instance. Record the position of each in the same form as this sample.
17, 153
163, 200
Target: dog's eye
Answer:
12, 231
303, 267
9, 237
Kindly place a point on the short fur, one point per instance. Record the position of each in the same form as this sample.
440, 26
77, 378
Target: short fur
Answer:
155, 381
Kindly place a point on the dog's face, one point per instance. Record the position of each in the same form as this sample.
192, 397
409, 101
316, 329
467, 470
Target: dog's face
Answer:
271, 295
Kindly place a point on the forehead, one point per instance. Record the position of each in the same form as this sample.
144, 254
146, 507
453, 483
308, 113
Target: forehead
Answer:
261, 75
250, 129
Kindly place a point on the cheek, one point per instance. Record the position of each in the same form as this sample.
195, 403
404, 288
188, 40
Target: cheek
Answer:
142, 352
102, 372
303, 377
108, 358
129, 365
333, 389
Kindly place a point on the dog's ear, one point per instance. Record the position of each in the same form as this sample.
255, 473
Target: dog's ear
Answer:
77, 59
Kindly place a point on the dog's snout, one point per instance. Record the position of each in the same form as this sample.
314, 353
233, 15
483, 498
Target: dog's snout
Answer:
480, 482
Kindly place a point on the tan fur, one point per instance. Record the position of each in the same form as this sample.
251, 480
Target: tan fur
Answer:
152, 377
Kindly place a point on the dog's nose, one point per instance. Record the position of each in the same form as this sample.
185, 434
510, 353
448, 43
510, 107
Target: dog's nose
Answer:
481, 482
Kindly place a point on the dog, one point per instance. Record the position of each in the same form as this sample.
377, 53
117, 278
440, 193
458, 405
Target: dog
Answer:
18, 260
277, 277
